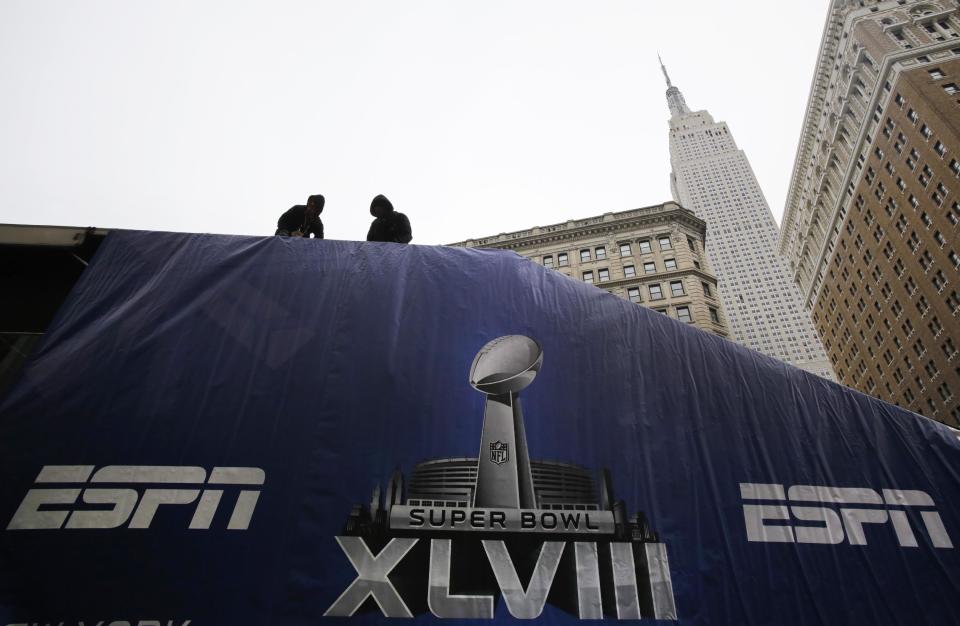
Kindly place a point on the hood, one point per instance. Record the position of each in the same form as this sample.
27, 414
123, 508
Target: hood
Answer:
380, 202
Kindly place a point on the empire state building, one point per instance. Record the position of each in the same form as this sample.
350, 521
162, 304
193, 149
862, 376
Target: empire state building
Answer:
712, 177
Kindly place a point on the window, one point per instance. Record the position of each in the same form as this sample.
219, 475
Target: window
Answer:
714, 316
588, 277
692, 245
706, 290
670, 264
629, 271
899, 100
683, 314
584, 256
600, 253
676, 288
548, 261
949, 349
940, 148
901, 223
665, 243
655, 292
936, 73
951, 89
644, 246
919, 349
914, 117
935, 326
953, 302
925, 131
603, 275
939, 280
625, 250
633, 294
955, 166
898, 375
649, 267
562, 259
898, 268
944, 391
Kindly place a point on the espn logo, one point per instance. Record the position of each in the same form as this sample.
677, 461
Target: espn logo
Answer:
115, 505
850, 510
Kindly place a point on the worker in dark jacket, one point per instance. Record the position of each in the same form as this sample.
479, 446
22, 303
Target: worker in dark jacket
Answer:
303, 220
389, 225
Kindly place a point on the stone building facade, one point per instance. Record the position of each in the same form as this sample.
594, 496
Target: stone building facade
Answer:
653, 256
871, 222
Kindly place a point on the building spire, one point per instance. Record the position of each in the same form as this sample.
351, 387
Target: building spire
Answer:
675, 101
665, 75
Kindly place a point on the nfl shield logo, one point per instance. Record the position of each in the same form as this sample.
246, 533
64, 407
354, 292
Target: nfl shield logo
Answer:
499, 452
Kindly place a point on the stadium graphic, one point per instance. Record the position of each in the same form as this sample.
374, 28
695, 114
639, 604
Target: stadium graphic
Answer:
463, 532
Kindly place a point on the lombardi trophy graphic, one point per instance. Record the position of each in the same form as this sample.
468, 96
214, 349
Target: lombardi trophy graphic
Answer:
501, 369
454, 516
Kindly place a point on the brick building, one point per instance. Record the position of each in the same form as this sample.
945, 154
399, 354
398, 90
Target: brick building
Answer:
871, 222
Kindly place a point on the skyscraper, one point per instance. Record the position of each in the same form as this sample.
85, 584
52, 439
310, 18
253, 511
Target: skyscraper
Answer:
713, 178
871, 221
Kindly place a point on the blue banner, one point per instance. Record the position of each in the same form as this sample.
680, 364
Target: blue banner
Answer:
232, 430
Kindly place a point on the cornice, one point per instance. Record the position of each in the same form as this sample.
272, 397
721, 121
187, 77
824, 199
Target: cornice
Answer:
678, 215
818, 89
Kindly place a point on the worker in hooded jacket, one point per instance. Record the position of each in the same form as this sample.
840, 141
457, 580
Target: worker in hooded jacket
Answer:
390, 225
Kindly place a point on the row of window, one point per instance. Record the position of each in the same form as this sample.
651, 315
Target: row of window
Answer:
599, 253
630, 271
655, 291
938, 74
683, 312
937, 30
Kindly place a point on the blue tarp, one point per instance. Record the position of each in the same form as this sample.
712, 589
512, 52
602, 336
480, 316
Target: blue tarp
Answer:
202, 432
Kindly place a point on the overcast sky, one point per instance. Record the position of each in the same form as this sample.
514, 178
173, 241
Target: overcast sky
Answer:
474, 118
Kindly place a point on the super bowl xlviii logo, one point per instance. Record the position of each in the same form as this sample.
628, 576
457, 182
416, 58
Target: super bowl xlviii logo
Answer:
463, 532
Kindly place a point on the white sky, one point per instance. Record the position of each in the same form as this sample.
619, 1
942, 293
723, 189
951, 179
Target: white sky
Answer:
474, 118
